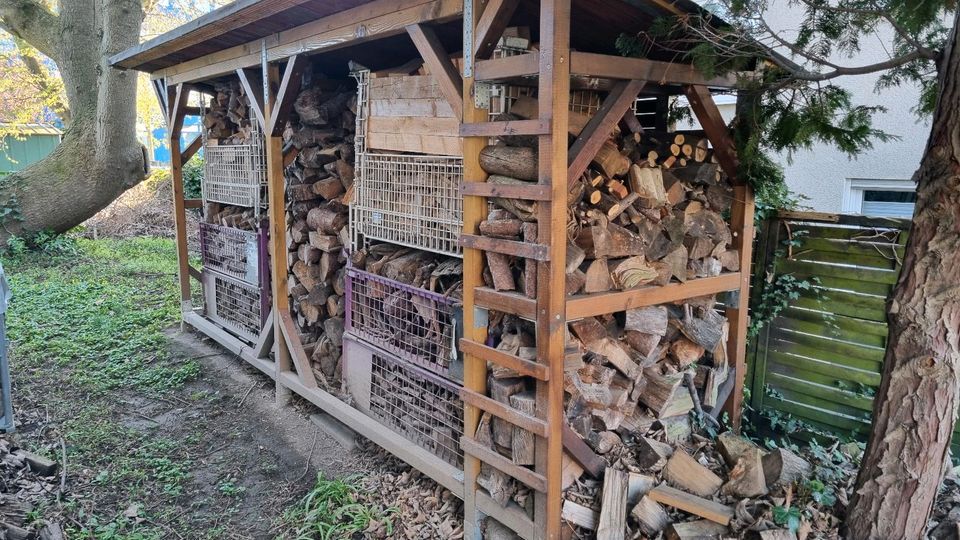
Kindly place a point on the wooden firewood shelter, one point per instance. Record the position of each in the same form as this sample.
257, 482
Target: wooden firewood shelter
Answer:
267, 45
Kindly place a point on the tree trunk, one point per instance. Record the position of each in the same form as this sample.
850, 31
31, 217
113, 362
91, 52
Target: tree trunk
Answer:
99, 157
916, 407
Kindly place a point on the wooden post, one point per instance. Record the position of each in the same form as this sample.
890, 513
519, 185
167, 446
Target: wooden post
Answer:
278, 233
474, 211
177, 98
554, 96
741, 218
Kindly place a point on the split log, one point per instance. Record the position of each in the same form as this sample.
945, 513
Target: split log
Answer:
781, 467
501, 390
613, 511
686, 473
650, 517
513, 161
695, 530
746, 480
523, 442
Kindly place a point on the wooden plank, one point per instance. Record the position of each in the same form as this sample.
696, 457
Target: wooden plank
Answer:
741, 223
579, 515
414, 125
522, 474
824, 416
425, 144
442, 69
195, 145
508, 67
581, 453
588, 305
504, 412
814, 268
854, 234
841, 303
846, 219
716, 129
829, 283
490, 26
229, 342
410, 107
824, 329
505, 128
526, 250
612, 524
873, 328
533, 192
833, 347
866, 258
797, 374
507, 302
692, 504
286, 94
262, 348
521, 366
600, 127
830, 369
442, 472
816, 353
195, 274
663, 73
300, 361
826, 393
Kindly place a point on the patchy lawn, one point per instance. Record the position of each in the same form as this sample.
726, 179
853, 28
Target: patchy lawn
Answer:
165, 437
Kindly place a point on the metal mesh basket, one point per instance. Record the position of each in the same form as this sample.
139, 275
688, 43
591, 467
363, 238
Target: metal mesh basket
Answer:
410, 200
418, 326
424, 408
234, 252
236, 305
236, 173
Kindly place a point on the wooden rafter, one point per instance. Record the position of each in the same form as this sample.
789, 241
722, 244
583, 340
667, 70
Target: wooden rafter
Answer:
491, 25
192, 148
253, 88
286, 94
655, 72
715, 128
440, 65
159, 89
600, 126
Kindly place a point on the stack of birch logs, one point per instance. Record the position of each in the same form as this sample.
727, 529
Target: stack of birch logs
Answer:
227, 118
318, 183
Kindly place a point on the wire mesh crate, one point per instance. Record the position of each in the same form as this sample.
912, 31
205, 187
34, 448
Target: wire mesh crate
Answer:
234, 252
236, 173
423, 407
418, 326
236, 305
410, 200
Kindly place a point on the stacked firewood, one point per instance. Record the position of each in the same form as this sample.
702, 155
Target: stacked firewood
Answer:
648, 210
227, 117
318, 184
235, 217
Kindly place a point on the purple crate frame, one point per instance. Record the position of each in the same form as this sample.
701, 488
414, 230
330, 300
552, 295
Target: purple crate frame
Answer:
234, 236
402, 348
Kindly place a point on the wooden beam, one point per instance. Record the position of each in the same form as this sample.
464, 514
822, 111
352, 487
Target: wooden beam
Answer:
524, 367
441, 68
589, 305
505, 128
534, 192
600, 127
193, 148
300, 361
254, 90
193, 203
581, 453
715, 128
159, 88
526, 250
379, 19
265, 341
194, 273
741, 223
654, 72
177, 97
229, 342
490, 27
508, 67
494, 459
287, 94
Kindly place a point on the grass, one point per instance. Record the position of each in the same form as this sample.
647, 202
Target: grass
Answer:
87, 320
332, 510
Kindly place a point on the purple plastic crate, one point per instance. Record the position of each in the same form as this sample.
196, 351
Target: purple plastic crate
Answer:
416, 325
234, 252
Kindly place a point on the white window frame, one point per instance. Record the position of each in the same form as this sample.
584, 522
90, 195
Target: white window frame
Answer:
853, 189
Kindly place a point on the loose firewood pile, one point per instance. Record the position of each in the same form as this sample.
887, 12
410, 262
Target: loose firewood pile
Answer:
227, 117
30, 483
235, 217
648, 210
317, 193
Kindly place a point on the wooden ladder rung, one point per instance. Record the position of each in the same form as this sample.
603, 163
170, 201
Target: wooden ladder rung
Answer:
507, 302
526, 250
505, 128
522, 474
532, 192
508, 67
500, 358
504, 412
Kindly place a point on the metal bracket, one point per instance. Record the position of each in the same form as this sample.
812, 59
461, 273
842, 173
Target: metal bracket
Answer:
467, 39
481, 94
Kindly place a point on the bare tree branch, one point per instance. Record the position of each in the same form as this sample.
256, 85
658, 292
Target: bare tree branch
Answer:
32, 22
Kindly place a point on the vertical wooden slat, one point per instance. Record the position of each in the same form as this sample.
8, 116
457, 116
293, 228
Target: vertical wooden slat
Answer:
767, 241
474, 211
741, 221
177, 99
554, 97
278, 233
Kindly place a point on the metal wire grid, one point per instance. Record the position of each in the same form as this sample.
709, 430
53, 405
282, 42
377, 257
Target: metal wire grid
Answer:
410, 200
230, 251
236, 173
416, 325
422, 407
363, 111
236, 305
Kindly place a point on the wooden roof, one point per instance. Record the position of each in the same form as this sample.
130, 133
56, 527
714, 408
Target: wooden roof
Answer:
595, 26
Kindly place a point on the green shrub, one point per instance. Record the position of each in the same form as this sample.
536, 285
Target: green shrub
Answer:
192, 177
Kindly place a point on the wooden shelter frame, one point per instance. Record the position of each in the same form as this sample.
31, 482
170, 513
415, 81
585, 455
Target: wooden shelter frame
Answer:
257, 65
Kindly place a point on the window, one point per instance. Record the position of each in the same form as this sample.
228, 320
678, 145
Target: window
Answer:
879, 197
